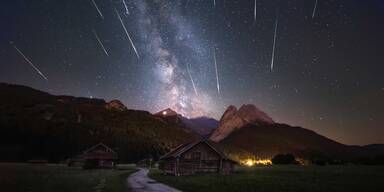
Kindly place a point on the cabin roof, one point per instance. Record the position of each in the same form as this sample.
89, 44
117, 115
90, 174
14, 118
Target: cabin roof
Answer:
186, 146
95, 146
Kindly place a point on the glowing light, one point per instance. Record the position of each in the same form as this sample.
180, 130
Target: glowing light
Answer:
249, 162
252, 162
164, 113
263, 162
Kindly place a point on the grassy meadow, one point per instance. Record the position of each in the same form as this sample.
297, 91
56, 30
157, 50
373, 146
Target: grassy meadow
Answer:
283, 178
59, 178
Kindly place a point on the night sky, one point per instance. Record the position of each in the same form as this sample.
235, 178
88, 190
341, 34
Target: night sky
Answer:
327, 72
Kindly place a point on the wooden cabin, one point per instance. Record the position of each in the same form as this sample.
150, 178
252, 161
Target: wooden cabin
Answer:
195, 157
99, 156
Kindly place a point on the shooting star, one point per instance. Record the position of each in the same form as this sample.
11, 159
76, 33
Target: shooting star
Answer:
29, 61
193, 82
255, 10
214, 3
100, 43
126, 32
217, 74
274, 41
314, 10
126, 7
97, 8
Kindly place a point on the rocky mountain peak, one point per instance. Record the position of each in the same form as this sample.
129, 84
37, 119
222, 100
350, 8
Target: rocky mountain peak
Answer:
250, 113
234, 119
229, 113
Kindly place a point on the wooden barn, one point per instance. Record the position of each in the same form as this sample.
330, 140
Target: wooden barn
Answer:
99, 156
195, 157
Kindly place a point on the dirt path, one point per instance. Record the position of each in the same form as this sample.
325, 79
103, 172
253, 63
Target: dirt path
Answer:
140, 182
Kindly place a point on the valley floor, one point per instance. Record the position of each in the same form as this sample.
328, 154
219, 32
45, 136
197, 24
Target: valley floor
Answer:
17, 177
283, 178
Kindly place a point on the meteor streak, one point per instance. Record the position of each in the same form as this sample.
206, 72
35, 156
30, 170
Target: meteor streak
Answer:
274, 42
97, 8
217, 74
100, 43
255, 10
126, 32
126, 7
314, 10
214, 3
29, 61
193, 83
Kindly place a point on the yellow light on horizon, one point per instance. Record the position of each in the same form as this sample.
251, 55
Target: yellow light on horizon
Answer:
249, 162
263, 162
252, 162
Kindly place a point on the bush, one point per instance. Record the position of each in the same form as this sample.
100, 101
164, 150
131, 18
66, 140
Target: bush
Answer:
284, 159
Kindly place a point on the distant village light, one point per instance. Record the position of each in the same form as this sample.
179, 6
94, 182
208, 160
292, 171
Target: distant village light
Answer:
263, 162
252, 162
249, 162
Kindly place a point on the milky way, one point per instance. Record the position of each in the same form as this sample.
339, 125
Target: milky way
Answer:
170, 64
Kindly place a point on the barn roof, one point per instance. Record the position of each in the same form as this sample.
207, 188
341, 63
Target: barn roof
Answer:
186, 146
100, 144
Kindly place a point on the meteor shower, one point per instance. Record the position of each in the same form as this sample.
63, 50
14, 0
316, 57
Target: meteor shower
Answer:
191, 95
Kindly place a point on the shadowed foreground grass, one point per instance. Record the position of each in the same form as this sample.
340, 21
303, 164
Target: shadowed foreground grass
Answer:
283, 178
59, 178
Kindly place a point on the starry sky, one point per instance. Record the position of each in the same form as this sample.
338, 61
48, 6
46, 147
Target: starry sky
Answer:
313, 63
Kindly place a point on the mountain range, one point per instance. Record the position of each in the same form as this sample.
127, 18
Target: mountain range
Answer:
251, 129
37, 125
202, 126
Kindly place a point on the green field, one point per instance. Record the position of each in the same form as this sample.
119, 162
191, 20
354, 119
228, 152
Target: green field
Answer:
283, 178
59, 178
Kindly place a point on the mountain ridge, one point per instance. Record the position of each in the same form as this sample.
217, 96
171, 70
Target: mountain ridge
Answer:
36, 124
202, 126
263, 137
